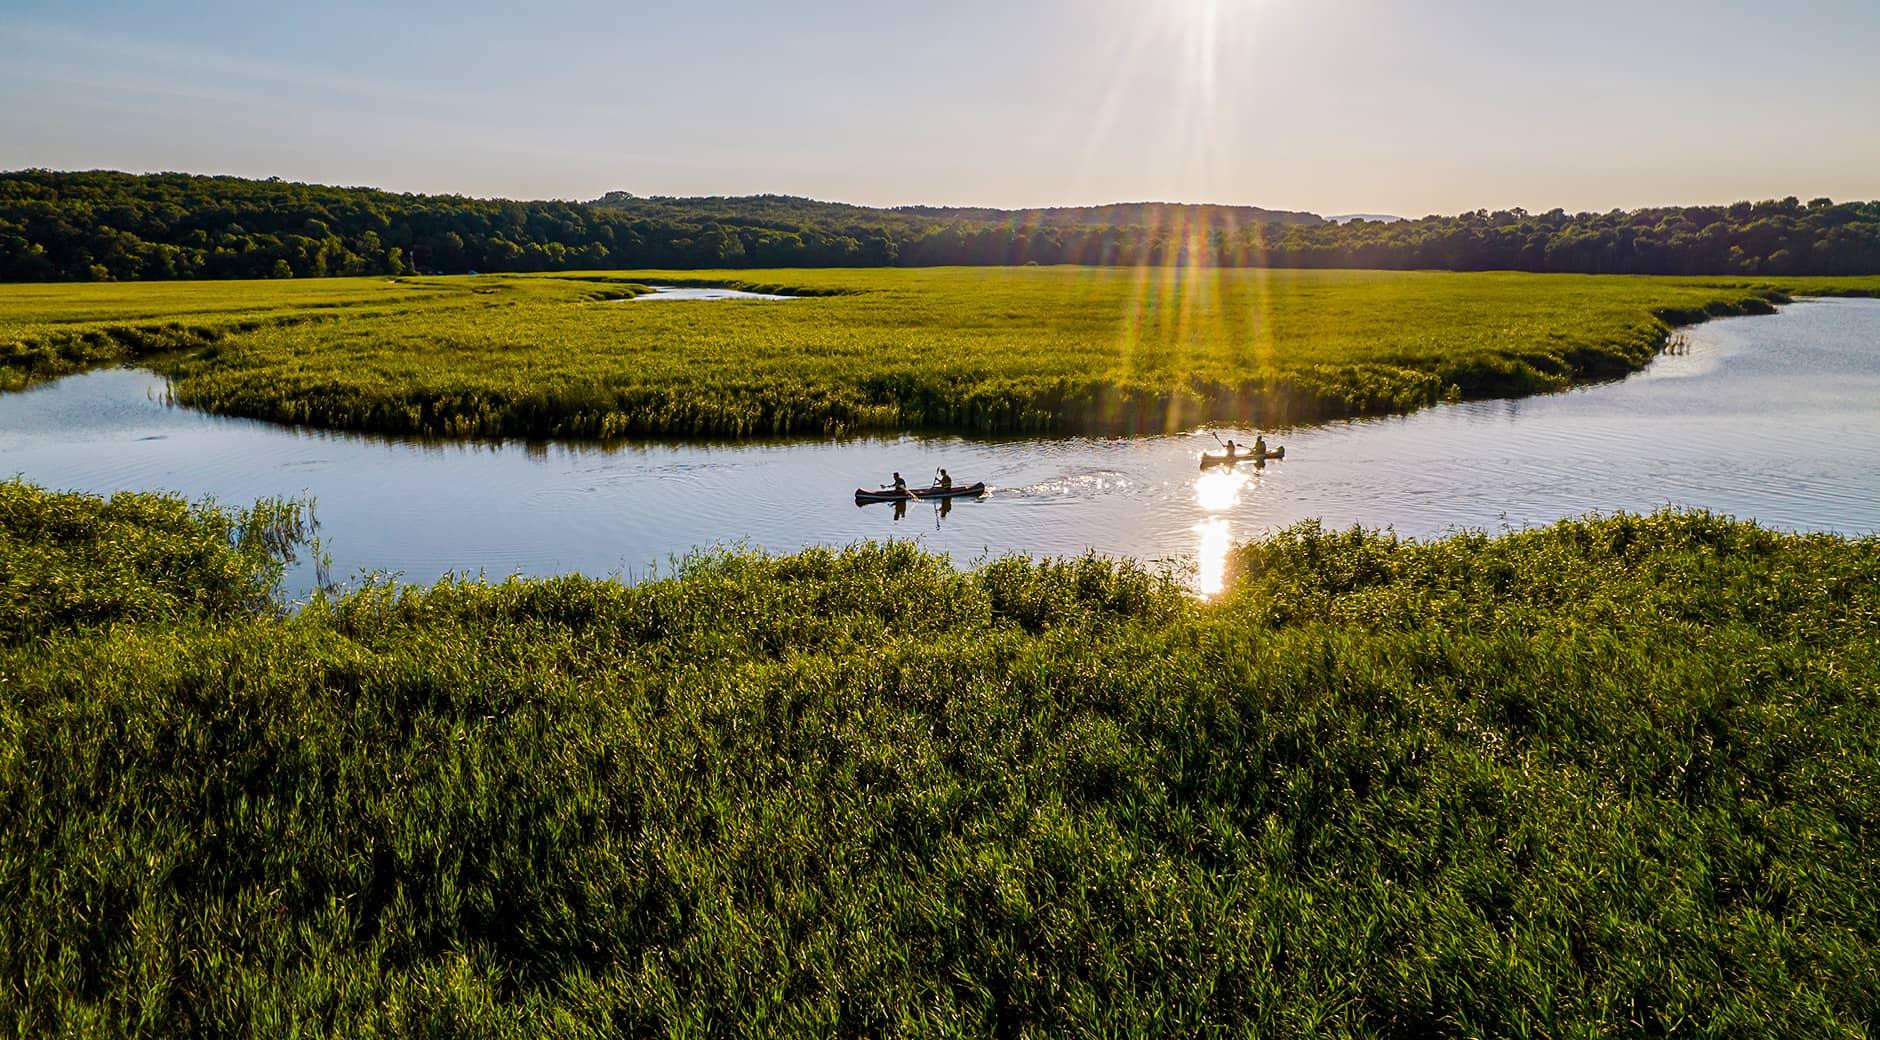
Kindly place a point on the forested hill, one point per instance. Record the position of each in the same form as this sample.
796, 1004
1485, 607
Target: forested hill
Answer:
784, 211
107, 225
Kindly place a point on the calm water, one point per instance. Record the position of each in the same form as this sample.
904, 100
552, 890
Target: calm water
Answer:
675, 292
1773, 418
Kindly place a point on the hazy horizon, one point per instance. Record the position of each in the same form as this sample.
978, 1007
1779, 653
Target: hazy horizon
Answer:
1331, 108
1342, 214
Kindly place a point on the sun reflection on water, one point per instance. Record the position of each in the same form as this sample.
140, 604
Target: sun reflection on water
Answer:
1217, 537
1216, 492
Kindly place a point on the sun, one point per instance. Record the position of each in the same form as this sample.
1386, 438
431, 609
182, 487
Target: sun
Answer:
1205, 10
1204, 20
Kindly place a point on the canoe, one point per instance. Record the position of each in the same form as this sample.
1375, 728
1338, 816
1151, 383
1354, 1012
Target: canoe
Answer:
1221, 458
863, 495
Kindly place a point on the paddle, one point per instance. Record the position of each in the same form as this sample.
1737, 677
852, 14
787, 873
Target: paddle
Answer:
934, 485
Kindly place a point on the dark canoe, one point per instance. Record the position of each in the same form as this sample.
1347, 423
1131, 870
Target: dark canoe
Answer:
864, 496
1221, 458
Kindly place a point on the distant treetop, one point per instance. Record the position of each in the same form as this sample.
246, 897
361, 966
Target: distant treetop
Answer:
102, 225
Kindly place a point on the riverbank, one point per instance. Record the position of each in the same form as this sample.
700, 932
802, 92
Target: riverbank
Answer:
1765, 417
975, 350
1597, 777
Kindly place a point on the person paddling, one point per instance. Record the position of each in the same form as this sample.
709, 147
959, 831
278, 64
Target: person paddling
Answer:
1230, 449
1259, 446
944, 483
900, 485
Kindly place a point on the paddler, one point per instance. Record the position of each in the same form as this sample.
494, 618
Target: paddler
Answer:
945, 483
900, 485
1259, 446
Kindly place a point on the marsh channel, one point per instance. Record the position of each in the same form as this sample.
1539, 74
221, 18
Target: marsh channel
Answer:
1773, 418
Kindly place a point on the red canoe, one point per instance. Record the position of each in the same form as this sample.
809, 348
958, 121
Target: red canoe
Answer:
1221, 458
864, 496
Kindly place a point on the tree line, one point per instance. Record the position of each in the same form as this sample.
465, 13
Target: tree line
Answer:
102, 225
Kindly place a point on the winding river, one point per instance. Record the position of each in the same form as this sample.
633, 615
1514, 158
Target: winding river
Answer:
1772, 418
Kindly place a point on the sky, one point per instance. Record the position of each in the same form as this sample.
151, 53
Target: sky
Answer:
1407, 107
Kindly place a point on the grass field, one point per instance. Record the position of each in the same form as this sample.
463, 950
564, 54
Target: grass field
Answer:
1614, 777
975, 349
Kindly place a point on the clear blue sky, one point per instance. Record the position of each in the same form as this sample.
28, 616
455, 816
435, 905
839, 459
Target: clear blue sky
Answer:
1327, 105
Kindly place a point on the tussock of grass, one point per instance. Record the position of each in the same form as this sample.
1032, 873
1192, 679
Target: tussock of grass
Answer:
975, 349
76, 561
1614, 776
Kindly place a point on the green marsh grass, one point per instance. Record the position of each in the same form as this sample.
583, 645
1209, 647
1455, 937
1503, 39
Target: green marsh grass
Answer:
970, 349
1612, 777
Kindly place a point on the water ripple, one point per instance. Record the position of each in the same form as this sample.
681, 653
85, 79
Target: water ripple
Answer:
1774, 418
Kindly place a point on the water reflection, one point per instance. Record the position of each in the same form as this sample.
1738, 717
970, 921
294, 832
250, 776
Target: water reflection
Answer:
1211, 551
702, 292
1217, 491
1775, 418
940, 507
